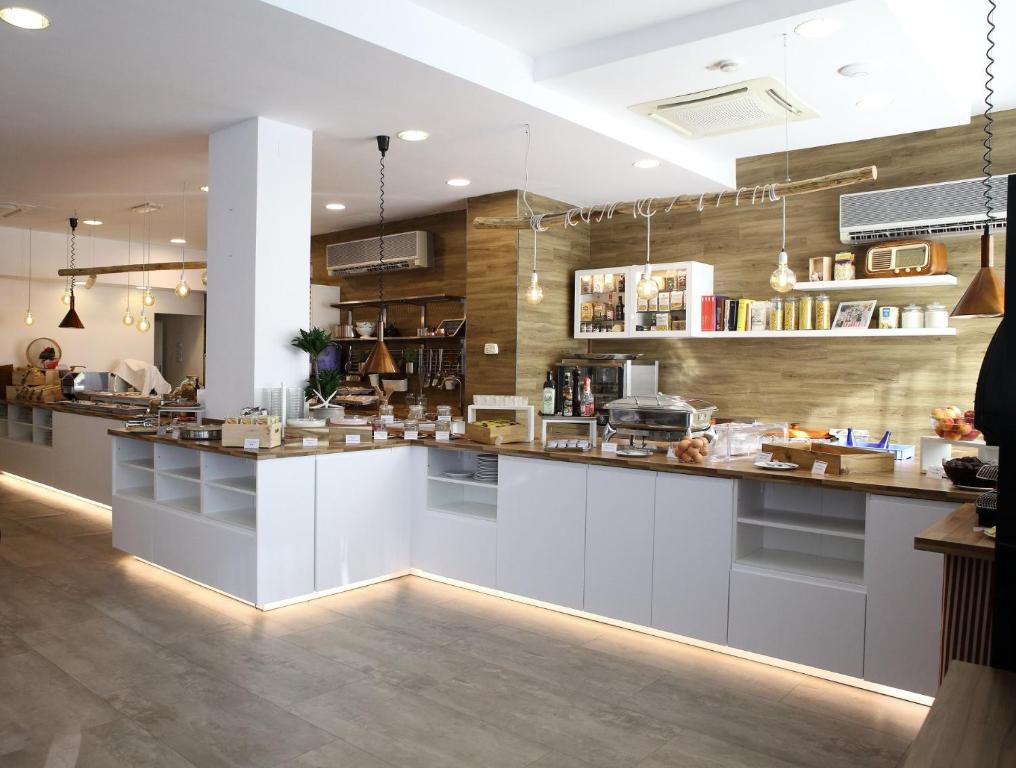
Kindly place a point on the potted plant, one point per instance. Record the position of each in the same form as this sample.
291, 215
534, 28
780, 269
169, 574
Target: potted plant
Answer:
314, 342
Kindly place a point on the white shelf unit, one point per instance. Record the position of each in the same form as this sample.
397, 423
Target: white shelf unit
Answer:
698, 282
19, 423
178, 478
868, 283
607, 279
832, 333
229, 489
134, 469
459, 496
806, 531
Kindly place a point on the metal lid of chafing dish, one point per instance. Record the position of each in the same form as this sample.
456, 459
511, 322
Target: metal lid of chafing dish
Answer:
660, 403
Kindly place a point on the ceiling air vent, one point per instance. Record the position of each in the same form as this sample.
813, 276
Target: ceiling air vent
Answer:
758, 103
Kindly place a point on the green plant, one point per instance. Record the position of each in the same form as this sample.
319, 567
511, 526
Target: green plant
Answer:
313, 342
327, 383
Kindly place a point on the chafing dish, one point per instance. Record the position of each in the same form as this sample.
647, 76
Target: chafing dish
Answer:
645, 419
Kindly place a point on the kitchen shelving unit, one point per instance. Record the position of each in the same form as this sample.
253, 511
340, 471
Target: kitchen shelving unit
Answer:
26, 424
868, 283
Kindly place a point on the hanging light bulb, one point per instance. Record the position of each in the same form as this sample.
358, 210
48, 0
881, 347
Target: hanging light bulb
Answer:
143, 323
29, 320
182, 289
647, 287
128, 318
534, 293
204, 278
66, 298
783, 278
28, 310
148, 298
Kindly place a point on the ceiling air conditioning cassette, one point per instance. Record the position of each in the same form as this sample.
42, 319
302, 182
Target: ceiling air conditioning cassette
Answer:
758, 103
928, 210
406, 250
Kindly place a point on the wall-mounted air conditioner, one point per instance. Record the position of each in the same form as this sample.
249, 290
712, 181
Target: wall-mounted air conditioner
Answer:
406, 250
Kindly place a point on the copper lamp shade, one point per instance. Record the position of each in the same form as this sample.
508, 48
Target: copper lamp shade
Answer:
380, 359
71, 319
984, 296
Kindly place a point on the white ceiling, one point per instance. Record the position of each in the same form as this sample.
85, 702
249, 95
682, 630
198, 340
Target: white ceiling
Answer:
113, 104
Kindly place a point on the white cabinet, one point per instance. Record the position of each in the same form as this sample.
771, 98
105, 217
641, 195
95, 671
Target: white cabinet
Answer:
691, 555
363, 516
791, 618
541, 519
285, 497
619, 543
82, 450
904, 622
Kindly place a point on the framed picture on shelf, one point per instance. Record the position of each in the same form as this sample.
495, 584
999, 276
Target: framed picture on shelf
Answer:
854, 314
450, 327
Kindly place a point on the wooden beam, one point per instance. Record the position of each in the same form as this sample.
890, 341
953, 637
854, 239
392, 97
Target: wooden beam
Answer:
119, 269
709, 200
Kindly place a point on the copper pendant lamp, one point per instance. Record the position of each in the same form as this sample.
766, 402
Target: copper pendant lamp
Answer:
71, 319
380, 359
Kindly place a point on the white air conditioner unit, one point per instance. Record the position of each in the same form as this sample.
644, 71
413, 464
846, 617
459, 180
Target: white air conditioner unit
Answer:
929, 210
757, 103
406, 250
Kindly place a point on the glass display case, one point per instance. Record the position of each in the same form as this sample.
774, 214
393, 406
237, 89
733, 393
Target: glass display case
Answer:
601, 302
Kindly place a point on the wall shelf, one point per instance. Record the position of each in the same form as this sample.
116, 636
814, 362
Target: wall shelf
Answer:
373, 339
841, 333
868, 283
429, 299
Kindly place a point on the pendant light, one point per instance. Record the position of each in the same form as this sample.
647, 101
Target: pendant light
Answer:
147, 298
647, 287
182, 289
534, 293
65, 299
29, 320
984, 296
128, 317
71, 319
783, 279
380, 359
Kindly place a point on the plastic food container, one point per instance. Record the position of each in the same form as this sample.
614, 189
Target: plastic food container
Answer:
912, 316
936, 316
738, 441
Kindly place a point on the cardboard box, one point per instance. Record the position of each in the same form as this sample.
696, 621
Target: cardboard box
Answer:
233, 435
496, 433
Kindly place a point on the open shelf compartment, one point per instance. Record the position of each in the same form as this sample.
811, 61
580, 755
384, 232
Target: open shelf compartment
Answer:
459, 496
230, 473
238, 508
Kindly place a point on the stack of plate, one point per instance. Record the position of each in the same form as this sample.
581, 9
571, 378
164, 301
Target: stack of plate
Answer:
486, 468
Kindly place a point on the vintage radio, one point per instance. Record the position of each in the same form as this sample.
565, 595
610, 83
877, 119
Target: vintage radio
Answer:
905, 258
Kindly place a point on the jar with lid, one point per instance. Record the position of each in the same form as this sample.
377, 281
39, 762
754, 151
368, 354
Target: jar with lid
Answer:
387, 413
791, 305
823, 313
776, 313
912, 316
806, 313
444, 413
936, 316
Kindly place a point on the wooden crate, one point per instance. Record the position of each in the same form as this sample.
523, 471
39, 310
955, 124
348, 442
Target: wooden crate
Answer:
841, 459
233, 435
496, 434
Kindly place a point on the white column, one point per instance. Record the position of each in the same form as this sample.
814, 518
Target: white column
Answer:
259, 198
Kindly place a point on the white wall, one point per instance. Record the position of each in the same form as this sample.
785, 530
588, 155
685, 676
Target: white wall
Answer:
104, 340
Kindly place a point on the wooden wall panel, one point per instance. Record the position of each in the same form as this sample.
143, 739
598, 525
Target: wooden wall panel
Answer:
876, 384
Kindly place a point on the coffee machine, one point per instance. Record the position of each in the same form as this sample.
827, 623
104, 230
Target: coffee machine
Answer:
611, 376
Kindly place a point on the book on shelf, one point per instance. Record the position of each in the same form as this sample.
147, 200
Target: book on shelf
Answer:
758, 315
743, 309
731, 323
708, 313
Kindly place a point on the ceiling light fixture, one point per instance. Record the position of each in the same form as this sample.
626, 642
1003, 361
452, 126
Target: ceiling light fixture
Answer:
147, 298
647, 287
413, 134
128, 317
182, 289
783, 279
647, 162
178, 241
458, 182
29, 320
874, 101
92, 222
857, 69
24, 18
534, 293
380, 359
816, 28
71, 319
335, 207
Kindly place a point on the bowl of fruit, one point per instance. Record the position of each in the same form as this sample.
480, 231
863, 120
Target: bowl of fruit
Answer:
951, 423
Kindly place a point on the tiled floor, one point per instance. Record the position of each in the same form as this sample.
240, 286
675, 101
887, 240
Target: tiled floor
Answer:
108, 662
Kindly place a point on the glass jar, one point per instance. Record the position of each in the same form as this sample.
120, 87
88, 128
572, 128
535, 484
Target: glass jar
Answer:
806, 313
410, 425
776, 314
912, 317
823, 313
936, 316
386, 413
444, 413
791, 306
415, 413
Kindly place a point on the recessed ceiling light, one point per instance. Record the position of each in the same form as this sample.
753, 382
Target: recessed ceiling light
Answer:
24, 18
92, 222
647, 162
178, 241
857, 69
457, 182
204, 188
874, 101
413, 134
335, 207
813, 28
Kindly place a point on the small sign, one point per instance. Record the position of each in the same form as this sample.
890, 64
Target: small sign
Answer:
381, 435
352, 439
252, 444
608, 448
442, 436
412, 435
388, 419
671, 454
310, 442
763, 458
819, 467
938, 472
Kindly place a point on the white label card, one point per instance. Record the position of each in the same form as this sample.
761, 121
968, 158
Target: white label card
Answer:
388, 419
608, 448
252, 444
352, 439
310, 442
936, 472
439, 436
671, 454
412, 435
819, 468
763, 458
380, 435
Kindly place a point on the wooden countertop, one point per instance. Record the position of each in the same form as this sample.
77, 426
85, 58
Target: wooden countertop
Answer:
972, 723
906, 482
66, 406
955, 535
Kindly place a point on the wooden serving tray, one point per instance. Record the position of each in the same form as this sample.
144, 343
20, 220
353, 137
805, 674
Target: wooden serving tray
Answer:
841, 459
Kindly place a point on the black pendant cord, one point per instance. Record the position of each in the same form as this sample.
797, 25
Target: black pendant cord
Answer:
989, 120
73, 257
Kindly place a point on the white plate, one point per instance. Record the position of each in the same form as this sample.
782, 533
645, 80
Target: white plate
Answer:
351, 421
777, 465
459, 475
306, 423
